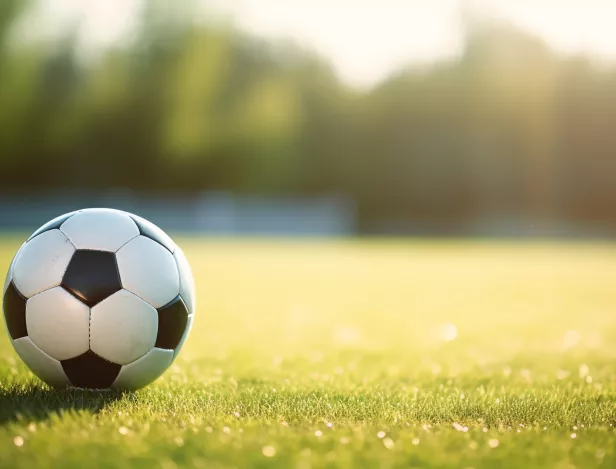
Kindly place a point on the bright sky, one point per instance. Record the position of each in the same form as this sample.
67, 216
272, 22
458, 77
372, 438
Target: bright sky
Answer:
368, 39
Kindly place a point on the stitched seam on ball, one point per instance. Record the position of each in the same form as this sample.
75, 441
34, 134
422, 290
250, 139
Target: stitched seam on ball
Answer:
142, 299
65, 235
180, 280
133, 238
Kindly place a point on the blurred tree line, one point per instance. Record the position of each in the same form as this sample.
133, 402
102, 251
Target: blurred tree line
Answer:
509, 130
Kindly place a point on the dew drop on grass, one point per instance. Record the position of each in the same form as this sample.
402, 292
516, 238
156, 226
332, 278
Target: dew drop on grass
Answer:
573, 436
268, 451
493, 443
448, 332
346, 335
381, 434
318, 433
571, 338
18, 441
388, 443
460, 428
123, 431
562, 374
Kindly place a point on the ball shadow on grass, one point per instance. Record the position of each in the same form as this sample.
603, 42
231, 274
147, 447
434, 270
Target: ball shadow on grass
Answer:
31, 402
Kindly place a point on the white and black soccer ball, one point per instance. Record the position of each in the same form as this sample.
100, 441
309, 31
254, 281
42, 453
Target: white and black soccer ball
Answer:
99, 298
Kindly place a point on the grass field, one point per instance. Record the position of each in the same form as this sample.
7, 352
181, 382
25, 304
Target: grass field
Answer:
377, 354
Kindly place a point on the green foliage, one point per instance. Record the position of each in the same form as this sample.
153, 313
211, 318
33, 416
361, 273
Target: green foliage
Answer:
332, 354
508, 130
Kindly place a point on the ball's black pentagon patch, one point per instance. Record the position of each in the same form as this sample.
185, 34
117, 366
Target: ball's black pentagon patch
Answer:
14, 306
150, 230
172, 321
54, 224
92, 276
91, 371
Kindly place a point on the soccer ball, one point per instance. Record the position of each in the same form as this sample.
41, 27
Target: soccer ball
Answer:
99, 299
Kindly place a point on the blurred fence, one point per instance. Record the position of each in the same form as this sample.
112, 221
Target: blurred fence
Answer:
226, 214
207, 213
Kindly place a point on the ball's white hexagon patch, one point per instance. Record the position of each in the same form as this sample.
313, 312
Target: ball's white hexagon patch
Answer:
123, 328
150, 230
41, 364
100, 229
54, 224
149, 271
189, 325
41, 263
58, 323
145, 370
187, 281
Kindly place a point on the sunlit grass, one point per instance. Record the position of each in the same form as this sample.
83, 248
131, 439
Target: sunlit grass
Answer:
356, 354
